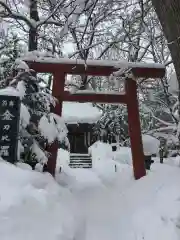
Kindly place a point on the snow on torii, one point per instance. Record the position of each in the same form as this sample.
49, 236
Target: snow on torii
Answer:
48, 63
61, 67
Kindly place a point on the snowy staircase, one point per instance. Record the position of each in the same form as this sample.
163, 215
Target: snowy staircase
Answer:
78, 160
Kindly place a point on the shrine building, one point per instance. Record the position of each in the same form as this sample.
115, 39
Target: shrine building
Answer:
80, 119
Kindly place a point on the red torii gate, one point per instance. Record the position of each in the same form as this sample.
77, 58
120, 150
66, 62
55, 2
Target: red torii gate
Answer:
59, 69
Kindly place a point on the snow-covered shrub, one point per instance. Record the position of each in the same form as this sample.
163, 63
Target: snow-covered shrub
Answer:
150, 144
39, 127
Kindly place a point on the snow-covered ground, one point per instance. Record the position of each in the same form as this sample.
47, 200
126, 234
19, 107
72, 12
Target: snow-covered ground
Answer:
90, 204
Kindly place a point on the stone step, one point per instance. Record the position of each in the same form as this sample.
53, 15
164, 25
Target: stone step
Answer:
80, 154
80, 165
74, 157
80, 160
80, 157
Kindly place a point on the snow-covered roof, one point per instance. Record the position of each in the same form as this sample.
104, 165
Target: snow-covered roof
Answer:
74, 112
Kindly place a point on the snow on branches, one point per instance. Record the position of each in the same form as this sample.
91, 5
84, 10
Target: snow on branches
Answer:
38, 126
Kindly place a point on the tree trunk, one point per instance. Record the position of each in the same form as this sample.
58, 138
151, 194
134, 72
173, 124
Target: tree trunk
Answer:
33, 44
168, 12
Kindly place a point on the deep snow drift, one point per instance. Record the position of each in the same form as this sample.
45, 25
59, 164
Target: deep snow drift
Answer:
90, 204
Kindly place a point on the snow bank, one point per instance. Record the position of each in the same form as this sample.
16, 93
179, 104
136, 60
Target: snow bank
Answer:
123, 155
150, 144
62, 158
171, 161
102, 161
78, 180
100, 150
128, 209
34, 206
84, 178
150, 206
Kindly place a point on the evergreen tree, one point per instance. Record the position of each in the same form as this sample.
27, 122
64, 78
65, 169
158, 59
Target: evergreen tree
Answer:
10, 49
38, 125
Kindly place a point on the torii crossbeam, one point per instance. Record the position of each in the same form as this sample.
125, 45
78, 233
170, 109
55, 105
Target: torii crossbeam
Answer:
61, 67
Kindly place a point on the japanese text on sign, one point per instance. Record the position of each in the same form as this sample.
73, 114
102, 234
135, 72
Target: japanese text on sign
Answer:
9, 127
